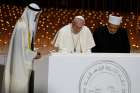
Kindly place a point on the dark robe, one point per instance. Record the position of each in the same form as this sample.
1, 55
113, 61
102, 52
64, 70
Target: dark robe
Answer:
31, 81
111, 43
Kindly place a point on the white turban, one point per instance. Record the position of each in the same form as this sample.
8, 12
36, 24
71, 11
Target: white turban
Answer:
115, 20
79, 17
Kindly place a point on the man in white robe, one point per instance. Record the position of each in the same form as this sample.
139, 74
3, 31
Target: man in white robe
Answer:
74, 37
20, 55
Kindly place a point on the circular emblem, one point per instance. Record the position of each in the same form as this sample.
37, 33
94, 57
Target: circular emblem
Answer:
105, 77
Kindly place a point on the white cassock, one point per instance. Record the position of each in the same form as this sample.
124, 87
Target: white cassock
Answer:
68, 42
20, 56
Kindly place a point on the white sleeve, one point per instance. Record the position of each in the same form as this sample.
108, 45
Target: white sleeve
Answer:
90, 41
58, 39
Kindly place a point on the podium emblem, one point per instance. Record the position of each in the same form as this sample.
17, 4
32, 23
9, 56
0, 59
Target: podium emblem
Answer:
105, 77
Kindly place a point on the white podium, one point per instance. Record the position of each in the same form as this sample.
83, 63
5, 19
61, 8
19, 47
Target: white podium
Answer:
89, 73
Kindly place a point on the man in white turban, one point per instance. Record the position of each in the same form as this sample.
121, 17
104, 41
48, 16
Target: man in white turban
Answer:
20, 55
111, 38
74, 37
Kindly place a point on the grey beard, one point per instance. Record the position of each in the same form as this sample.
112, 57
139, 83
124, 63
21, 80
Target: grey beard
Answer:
112, 32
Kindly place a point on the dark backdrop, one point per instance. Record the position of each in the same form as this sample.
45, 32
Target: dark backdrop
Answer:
117, 5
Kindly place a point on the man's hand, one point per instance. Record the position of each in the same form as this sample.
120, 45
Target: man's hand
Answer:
38, 56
